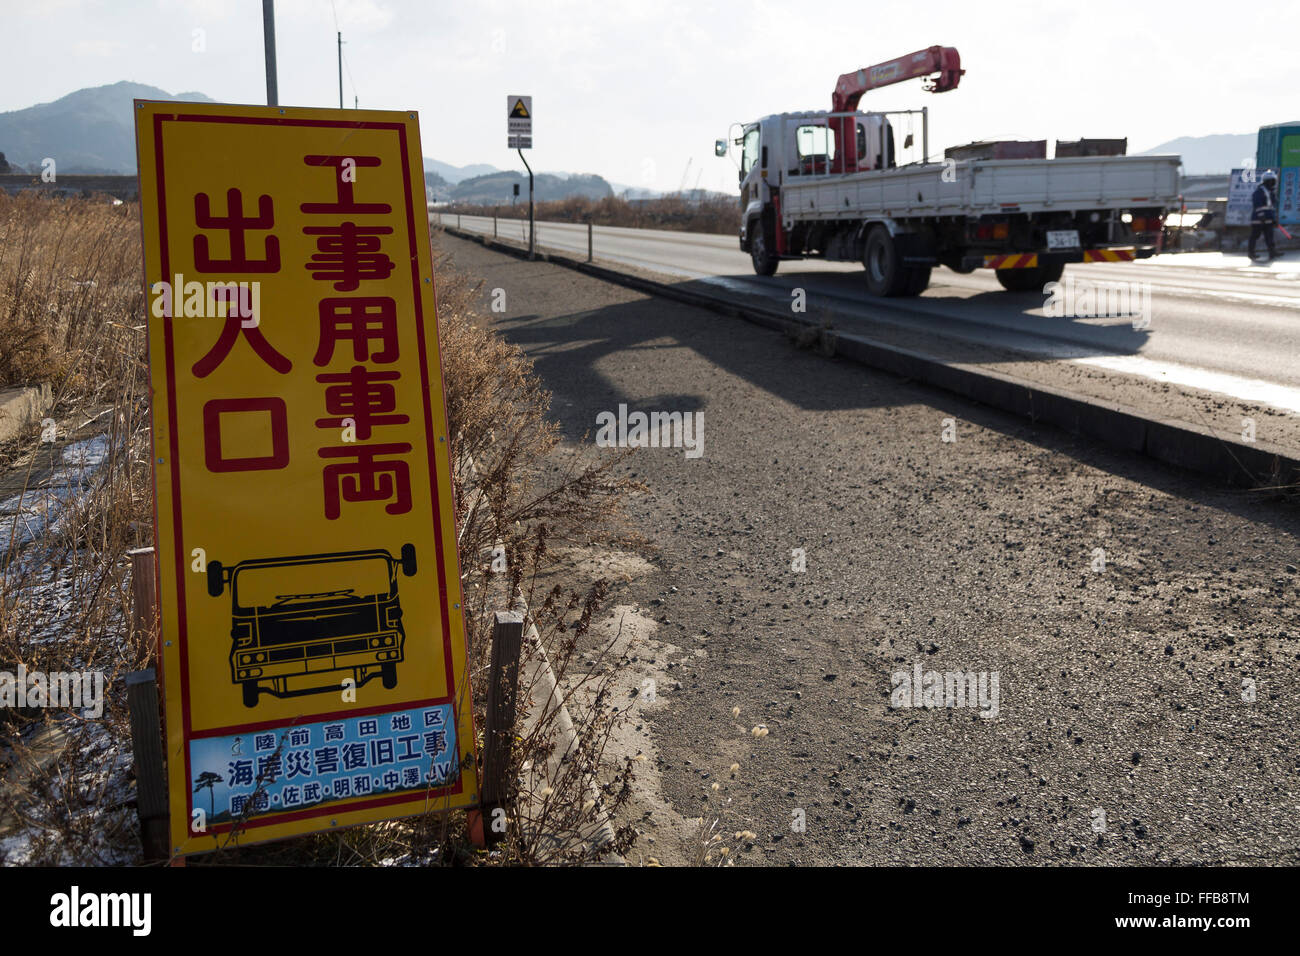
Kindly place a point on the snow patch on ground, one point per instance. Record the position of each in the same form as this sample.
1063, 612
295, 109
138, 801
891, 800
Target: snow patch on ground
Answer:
26, 517
82, 809
66, 789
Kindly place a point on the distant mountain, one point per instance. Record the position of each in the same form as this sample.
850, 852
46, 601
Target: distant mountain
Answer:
454, 174
89, 131
497, 187
436, 189
1209, 155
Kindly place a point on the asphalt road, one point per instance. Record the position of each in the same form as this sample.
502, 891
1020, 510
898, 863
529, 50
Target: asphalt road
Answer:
1146, 706
1221, 344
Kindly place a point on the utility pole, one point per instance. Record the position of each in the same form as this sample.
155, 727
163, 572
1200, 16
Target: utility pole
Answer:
340, 70
268, 37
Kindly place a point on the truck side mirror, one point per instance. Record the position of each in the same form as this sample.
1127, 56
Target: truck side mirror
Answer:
719, 147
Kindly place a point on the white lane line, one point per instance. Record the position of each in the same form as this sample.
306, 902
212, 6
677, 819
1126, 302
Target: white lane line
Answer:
1291, 301
1280, 396
1246, 389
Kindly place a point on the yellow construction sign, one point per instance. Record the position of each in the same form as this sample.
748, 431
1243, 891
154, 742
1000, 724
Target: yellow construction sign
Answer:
312, 637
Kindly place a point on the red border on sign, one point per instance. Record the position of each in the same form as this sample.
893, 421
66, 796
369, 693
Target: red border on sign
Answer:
187, 733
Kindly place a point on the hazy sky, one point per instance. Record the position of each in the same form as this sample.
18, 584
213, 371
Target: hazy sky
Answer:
636, 90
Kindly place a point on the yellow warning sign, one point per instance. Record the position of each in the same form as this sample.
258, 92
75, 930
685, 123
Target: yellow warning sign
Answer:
519, 122
312, 638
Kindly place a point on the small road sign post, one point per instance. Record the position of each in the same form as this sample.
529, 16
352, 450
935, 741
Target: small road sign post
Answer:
519, 136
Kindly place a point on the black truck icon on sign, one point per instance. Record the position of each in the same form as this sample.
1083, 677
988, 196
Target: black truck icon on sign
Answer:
310, 614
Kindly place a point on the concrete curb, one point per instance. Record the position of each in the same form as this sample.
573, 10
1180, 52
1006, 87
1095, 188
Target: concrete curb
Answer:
21, 406
542, 676
1191, 447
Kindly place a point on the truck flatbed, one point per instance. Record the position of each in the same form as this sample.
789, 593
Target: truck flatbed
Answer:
982, 187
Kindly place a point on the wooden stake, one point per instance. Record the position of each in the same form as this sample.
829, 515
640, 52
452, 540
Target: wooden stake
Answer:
498, 732
150, 782
146, 719
144, 593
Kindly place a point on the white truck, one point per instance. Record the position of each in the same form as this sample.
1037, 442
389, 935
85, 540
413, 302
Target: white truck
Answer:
827, 185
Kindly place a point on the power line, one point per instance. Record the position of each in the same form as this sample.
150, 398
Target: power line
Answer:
347, 68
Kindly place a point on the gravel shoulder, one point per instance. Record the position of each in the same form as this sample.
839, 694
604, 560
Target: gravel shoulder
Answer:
1146, 691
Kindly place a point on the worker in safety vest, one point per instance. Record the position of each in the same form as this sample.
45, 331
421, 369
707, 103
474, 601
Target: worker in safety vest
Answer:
1264, 215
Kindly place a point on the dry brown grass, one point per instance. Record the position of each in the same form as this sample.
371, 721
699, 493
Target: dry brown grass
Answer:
71, 307
720, 216
70, 315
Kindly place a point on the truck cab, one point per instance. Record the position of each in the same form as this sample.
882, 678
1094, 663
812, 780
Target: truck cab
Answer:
798, 147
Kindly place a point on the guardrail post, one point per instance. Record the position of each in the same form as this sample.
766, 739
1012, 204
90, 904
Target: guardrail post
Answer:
457, 220
146, 746
498, 730
494, 226
588, 240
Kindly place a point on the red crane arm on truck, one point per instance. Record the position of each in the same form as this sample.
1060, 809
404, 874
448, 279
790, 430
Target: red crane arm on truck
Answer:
944, 62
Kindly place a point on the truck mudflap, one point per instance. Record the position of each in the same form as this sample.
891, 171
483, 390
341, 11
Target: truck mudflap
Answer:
1031, 260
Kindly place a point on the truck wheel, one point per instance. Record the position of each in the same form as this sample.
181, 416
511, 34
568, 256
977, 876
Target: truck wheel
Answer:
1030, 280
765, 263
408, 560
918, 280
886, 275
250, 693
388, 674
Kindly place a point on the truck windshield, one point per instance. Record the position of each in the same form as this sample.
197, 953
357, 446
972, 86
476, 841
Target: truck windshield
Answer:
288, 584
749, 155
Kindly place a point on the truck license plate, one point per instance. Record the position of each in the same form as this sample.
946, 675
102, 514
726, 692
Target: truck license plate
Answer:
1063, 239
